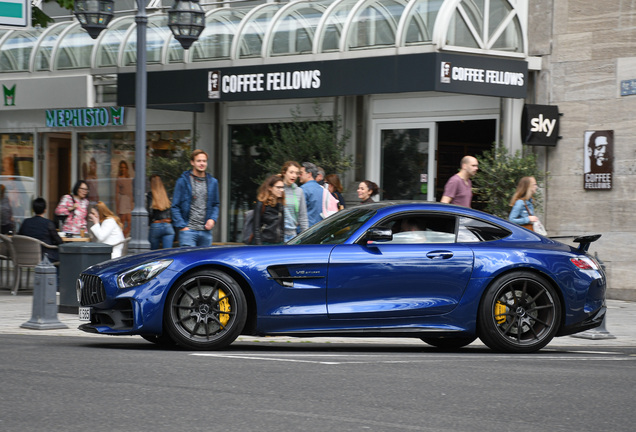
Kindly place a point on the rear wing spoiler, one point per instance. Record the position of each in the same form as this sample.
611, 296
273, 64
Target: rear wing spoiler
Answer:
585, 242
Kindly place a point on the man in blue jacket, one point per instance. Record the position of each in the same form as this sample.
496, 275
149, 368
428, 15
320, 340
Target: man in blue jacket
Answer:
195, 203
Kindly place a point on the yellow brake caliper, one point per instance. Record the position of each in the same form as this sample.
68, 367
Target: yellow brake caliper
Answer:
224, 306
500, 312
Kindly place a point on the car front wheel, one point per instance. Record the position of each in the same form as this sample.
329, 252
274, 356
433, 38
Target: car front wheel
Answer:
520, 313
206, 311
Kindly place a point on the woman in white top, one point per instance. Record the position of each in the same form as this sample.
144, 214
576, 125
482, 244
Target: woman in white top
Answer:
107, 228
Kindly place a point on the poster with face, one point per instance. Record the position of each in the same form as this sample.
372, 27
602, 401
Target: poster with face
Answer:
597, 159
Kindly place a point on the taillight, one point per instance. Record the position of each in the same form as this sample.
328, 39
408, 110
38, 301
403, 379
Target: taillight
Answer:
584, 263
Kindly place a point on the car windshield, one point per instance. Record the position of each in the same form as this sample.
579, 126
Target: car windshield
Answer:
335, 229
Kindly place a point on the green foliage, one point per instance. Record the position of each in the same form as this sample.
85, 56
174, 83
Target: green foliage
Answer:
318, 141
499, 173
38, 17
169, 166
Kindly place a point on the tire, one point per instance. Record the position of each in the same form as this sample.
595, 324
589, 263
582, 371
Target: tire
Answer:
160, 340
205, 311
449, 343
520, 313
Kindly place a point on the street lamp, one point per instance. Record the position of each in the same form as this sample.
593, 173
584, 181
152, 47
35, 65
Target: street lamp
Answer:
187, 21
94, 15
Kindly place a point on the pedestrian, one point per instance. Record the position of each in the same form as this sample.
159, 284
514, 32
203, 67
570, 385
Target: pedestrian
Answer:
160, 232
366, 191
522, 212
269, 213
124, 201
42, 229
7, 226
459, 188
332, 182
295, 206
320, 176
195, 203
73, 209
313, 192
107, 228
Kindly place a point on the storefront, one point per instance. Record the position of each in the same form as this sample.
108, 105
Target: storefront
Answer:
45, 150
417, 84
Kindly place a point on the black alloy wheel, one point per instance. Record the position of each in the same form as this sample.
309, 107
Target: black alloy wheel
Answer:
206, 311
520, 313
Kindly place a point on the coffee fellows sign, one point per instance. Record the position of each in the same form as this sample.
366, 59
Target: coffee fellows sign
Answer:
597, 159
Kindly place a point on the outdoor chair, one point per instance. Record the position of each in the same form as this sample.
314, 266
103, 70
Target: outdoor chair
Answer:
28, 253
6, 254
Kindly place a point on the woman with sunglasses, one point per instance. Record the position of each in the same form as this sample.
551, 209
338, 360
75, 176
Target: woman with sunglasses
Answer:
73, 209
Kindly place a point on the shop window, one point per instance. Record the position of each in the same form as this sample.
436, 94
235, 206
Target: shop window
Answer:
107, 163
245, 172
405, 154
17, 185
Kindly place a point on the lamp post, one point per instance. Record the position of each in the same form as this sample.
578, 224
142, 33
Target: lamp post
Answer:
186, 21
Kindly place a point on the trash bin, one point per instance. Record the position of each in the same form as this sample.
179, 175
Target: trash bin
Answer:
74, 259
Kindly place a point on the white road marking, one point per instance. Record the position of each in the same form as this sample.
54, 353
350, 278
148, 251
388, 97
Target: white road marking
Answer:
340, 359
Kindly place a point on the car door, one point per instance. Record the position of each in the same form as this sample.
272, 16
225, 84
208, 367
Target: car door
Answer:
393, 280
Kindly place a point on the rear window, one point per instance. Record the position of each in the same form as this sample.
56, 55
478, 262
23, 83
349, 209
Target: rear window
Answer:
475, 230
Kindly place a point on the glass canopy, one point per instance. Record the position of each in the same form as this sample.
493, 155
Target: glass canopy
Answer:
265, 30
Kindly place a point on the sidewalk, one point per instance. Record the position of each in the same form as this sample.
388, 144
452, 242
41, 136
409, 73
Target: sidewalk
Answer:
620, 323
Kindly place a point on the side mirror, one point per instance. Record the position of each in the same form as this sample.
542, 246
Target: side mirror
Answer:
379, 234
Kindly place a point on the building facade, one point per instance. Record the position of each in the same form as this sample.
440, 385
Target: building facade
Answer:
588, 70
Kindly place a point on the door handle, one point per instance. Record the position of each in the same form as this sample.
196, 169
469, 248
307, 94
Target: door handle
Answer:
440, 255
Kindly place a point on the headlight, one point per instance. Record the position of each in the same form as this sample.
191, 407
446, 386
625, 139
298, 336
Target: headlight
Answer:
142, 274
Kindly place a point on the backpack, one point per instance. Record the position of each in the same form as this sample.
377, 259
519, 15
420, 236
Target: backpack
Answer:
329, 204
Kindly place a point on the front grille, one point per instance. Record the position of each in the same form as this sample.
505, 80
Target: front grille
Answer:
93, 291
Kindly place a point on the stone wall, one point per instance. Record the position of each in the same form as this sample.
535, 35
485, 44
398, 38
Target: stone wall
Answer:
587, 48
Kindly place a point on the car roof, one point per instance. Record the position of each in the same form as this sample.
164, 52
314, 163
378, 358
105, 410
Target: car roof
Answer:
393, 206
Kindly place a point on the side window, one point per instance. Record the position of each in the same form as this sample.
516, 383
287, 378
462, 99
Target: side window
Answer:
474, 230
428, 228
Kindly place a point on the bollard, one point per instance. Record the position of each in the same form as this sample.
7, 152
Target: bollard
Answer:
597, 333
44, 316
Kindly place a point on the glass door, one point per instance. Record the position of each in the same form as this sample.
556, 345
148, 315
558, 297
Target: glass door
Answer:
407, 161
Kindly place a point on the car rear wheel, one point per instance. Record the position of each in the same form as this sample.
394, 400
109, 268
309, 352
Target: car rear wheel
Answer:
520, 313
205, 311
449, 343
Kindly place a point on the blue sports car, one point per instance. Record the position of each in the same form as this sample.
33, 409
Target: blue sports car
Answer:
441, 273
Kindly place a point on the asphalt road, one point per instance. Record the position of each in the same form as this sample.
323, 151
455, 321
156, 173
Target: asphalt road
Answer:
126, 384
